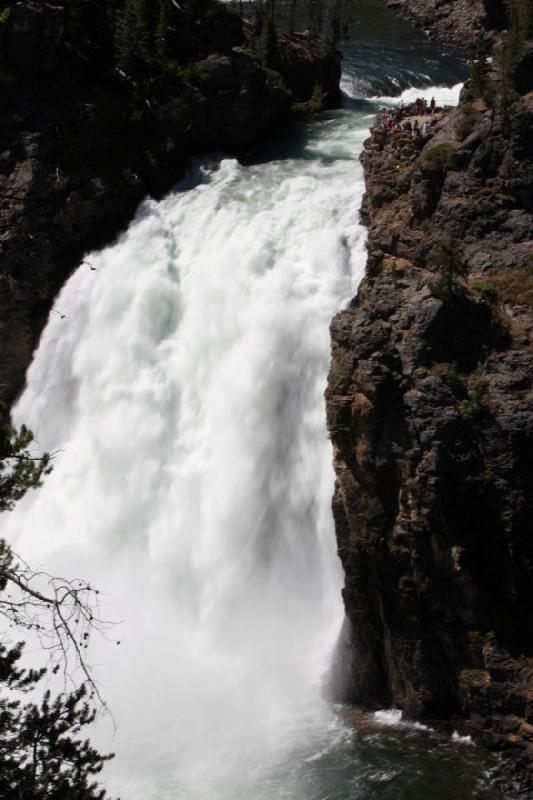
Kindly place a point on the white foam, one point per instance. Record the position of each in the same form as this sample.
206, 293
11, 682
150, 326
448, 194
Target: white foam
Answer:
394, 718
466, 740
444, 95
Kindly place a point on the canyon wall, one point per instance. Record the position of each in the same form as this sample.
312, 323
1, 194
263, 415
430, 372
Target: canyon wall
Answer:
430, 411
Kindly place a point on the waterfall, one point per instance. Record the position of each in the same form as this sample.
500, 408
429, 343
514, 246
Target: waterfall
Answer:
182, 385
183, 390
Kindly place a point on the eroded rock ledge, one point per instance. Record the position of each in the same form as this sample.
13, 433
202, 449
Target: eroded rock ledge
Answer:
430, 411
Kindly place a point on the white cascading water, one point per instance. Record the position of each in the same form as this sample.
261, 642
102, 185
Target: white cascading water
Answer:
184, 390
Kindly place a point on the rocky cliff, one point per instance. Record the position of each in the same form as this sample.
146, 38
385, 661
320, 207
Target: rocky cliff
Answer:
457, 22
430, 411
83, 140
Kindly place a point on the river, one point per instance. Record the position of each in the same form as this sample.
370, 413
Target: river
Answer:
184, 390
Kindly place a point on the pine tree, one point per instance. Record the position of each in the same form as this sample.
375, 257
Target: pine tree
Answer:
480, 81
135, 41
520, 13
447, 257
268, 43
89, 29
41, 754
163, 31
293, 10
338, 22
20, 469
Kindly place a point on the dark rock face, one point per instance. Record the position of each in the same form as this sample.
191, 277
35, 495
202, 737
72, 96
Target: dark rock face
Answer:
304, 69
430, 411
456, 22
31, 36
496, 17
80, 147
522, 70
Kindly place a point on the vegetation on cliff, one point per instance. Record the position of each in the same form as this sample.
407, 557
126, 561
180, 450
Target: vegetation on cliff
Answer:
325, 18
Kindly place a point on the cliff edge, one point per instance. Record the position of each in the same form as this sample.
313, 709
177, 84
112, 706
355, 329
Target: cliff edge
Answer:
430, 411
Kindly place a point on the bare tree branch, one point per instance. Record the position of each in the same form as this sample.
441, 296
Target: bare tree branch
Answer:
63, 616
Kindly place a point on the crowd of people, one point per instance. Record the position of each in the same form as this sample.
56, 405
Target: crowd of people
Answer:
400, 118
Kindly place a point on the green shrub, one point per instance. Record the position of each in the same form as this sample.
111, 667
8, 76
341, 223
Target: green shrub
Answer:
378, 339
274, 80
450, 375
474, 407
439, 158
487, 291
198, 72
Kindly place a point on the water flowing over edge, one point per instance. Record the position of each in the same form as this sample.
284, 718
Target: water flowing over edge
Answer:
184, 389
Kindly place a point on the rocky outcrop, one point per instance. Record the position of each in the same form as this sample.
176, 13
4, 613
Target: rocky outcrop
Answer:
456, 22
81, 142
304, 69
430, 411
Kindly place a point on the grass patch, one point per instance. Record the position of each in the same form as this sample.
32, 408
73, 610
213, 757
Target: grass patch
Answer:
509, 286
